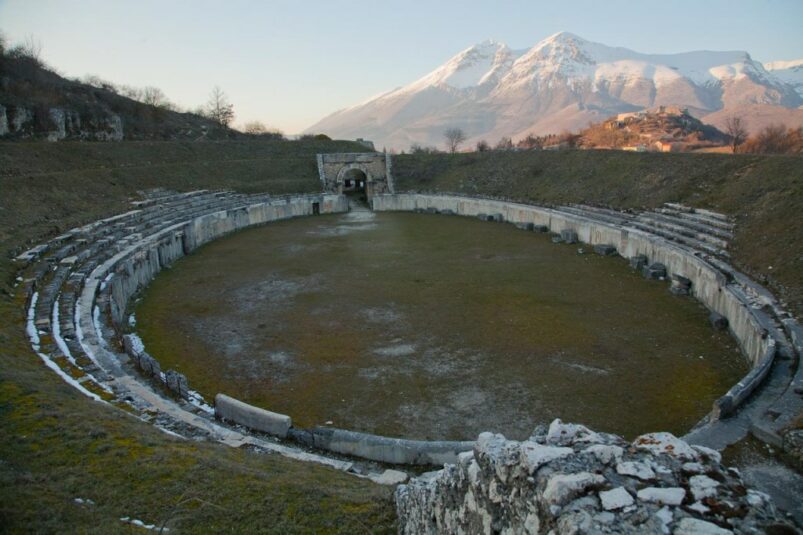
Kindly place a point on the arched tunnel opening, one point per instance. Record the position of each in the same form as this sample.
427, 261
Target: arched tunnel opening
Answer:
355, 185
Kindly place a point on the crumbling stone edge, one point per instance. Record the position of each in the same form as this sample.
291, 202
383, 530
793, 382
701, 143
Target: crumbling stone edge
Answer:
569, 479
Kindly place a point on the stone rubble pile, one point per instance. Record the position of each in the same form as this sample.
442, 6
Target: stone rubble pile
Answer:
569, 479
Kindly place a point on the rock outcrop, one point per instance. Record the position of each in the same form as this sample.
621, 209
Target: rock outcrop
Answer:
569, 479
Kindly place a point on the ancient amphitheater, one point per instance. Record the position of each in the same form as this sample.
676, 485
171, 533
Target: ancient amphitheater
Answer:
80, 284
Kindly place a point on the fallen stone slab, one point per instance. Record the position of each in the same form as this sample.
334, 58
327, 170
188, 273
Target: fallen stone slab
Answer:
229, 408
604, 249
638, 262
655, 271
718, 321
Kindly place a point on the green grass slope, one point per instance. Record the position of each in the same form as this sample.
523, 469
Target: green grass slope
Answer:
763, 193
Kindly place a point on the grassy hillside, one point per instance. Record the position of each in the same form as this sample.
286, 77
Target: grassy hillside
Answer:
764, 193
56, 445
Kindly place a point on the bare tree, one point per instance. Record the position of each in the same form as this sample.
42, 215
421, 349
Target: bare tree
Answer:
504, 144
255, 128
736, 128
483, 146
417, 148
153, 96
776, 139
32, 47
219, 108
454, 138
530, 142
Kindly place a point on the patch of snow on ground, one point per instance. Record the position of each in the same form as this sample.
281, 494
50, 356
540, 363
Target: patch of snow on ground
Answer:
399, 350
198, 400
56, 328
30, 326
169, 432
141, 524
137, 343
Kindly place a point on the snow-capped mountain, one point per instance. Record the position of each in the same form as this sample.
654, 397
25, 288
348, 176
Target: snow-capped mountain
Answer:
563, 83
790, 72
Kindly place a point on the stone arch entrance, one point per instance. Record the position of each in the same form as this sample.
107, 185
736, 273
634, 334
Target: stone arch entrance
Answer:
355, 172
354, 178
355, 181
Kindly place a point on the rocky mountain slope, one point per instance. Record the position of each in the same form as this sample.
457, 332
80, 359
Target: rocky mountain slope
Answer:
563, 83
38, 103
790, 72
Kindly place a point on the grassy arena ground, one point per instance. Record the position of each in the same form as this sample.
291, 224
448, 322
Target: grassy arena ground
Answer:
56, 446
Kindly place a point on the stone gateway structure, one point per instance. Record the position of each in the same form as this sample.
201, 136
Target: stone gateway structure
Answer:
356, 172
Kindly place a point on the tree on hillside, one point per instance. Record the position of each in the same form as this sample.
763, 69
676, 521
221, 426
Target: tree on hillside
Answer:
153, 96
483, 146
417, 148
504, 144
30, 48
219, 108
454, 138
255, 128
736, 128
258, 128
530, 142
776, 139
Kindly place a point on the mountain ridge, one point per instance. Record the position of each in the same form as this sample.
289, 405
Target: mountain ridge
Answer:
563, 83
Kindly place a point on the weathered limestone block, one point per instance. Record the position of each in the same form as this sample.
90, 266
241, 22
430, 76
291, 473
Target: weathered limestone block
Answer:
563, 480
680, 285
604, 249
718, 321
273, 423
149, 365
655, 271
131, 345
568, 235
792, 443
177, 383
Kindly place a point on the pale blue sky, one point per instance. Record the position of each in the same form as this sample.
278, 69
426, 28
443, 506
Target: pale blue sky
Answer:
289, 63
